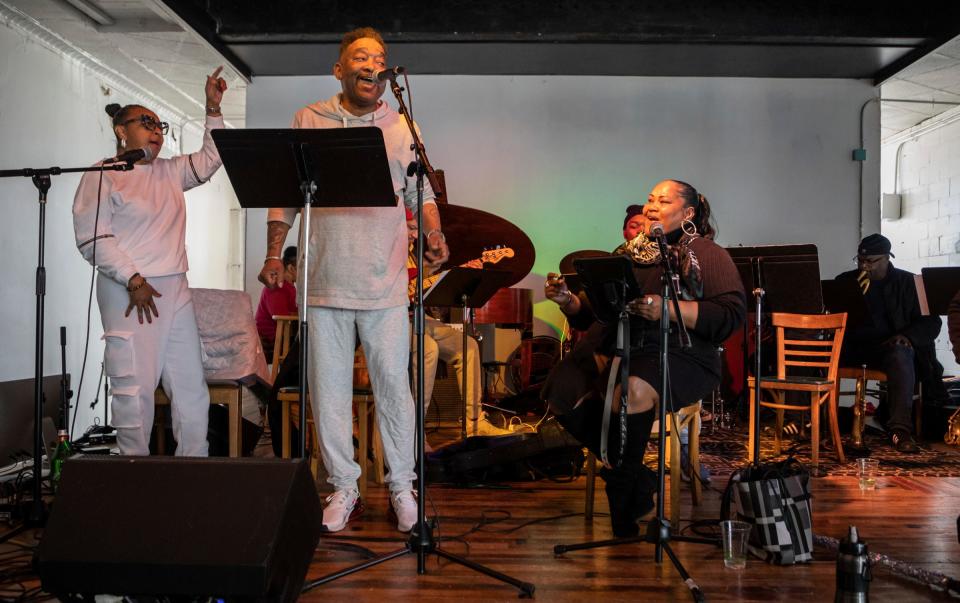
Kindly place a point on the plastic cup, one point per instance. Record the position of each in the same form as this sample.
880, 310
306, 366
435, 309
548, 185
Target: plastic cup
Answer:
734, 535
867, 470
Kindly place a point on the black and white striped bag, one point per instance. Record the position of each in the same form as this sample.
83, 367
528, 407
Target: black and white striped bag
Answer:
775, 499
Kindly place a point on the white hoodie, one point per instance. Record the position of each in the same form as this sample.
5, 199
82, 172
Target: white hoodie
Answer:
358, 255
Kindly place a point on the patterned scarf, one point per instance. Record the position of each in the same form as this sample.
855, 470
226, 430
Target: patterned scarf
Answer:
646, 252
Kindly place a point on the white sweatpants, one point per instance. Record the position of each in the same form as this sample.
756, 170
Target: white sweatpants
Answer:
140, 356
442, 342
384, 335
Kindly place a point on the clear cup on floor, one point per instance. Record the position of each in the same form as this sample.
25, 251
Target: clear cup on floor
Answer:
733, 535
867, 470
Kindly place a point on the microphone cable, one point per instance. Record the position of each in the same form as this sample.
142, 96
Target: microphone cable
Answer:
93, 279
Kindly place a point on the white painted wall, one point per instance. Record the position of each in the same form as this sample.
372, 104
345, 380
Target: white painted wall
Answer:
562, 157
51, 113
928, 232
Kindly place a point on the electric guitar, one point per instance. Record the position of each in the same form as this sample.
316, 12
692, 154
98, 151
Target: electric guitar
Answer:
489, 256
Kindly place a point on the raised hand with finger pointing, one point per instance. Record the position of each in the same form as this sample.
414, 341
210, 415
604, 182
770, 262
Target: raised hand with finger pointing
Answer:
214, 90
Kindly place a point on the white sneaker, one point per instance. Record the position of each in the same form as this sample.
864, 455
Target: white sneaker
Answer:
483, 427
404, 505
341, 507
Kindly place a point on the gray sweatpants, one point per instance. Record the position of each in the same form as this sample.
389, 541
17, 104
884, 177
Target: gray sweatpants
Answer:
385, 337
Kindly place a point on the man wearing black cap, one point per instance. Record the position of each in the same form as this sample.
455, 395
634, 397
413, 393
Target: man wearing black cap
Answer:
895, 338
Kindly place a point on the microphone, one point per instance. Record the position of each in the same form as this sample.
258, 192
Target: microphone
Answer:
390, 73
657, 234
132, 156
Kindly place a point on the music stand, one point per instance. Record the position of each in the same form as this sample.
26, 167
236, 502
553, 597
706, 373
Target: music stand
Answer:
940, 285
306, 168
844, 295
465, 288
782, 278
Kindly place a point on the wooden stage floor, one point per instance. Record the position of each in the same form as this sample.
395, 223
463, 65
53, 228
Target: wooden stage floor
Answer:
911, 519
513, 528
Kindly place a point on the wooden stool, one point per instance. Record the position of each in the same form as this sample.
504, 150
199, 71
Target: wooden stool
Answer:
689, 417
226, 392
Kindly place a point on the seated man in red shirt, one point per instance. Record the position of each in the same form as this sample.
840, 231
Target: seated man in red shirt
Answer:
277, 302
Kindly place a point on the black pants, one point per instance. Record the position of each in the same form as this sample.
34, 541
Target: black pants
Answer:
288, 374
898, 362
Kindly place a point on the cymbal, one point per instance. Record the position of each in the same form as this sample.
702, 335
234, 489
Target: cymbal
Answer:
470, 232
566, 264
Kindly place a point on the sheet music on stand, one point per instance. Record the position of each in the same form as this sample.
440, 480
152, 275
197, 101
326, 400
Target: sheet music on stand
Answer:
939, 285
845, 296
470, 287
788, 274
268, 167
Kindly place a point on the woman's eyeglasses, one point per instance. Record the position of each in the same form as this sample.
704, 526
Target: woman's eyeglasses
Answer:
150, 124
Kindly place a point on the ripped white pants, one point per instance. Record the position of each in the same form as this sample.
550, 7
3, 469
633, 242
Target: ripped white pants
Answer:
138, 357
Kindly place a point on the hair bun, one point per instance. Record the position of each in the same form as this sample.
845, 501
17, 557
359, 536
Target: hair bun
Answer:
112, 109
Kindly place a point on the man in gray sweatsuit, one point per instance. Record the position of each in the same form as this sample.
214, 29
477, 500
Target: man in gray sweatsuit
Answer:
358, 285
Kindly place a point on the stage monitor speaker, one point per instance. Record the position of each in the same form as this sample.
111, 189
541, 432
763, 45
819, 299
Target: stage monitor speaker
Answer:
234, 529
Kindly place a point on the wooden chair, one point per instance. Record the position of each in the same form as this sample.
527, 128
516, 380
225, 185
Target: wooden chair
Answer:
687, 417
862, 375
281, 342
793, 353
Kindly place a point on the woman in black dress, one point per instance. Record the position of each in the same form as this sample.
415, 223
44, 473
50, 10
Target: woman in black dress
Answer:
712, 305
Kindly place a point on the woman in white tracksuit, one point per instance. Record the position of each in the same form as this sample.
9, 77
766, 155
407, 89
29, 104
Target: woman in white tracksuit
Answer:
131, 226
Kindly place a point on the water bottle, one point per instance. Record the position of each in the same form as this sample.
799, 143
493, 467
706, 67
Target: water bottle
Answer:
60, 455
853, 570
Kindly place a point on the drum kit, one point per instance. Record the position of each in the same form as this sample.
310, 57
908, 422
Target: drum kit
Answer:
473, 233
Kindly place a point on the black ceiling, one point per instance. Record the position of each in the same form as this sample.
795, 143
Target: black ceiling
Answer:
747, 38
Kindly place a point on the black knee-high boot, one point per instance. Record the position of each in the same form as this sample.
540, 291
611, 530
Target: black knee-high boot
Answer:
631, 485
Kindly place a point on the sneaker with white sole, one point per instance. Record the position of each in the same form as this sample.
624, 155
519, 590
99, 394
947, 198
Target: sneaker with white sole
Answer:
404, 505
340, 508
483, 427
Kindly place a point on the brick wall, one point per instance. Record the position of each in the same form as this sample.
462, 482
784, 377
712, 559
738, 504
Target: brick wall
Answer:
928, 232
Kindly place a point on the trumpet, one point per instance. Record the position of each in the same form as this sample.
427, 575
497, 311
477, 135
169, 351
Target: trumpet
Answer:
952, 436
863, 279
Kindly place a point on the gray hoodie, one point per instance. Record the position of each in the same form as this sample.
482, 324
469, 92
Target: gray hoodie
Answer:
358, 256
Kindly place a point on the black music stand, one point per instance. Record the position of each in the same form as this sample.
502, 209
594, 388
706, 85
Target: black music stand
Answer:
610, 285
844, 295
306, 168
839, 296
939, 286
782, 278
465, 288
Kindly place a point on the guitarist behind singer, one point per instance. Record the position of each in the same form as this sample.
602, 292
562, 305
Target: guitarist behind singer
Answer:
440, 341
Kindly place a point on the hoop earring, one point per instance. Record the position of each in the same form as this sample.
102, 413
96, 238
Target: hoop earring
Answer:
123, 143
689, 228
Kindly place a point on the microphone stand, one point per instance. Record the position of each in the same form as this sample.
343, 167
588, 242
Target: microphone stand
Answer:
658, 528
421, 541
36, 512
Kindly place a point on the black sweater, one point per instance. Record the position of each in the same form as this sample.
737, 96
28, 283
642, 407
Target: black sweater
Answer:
721, 309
